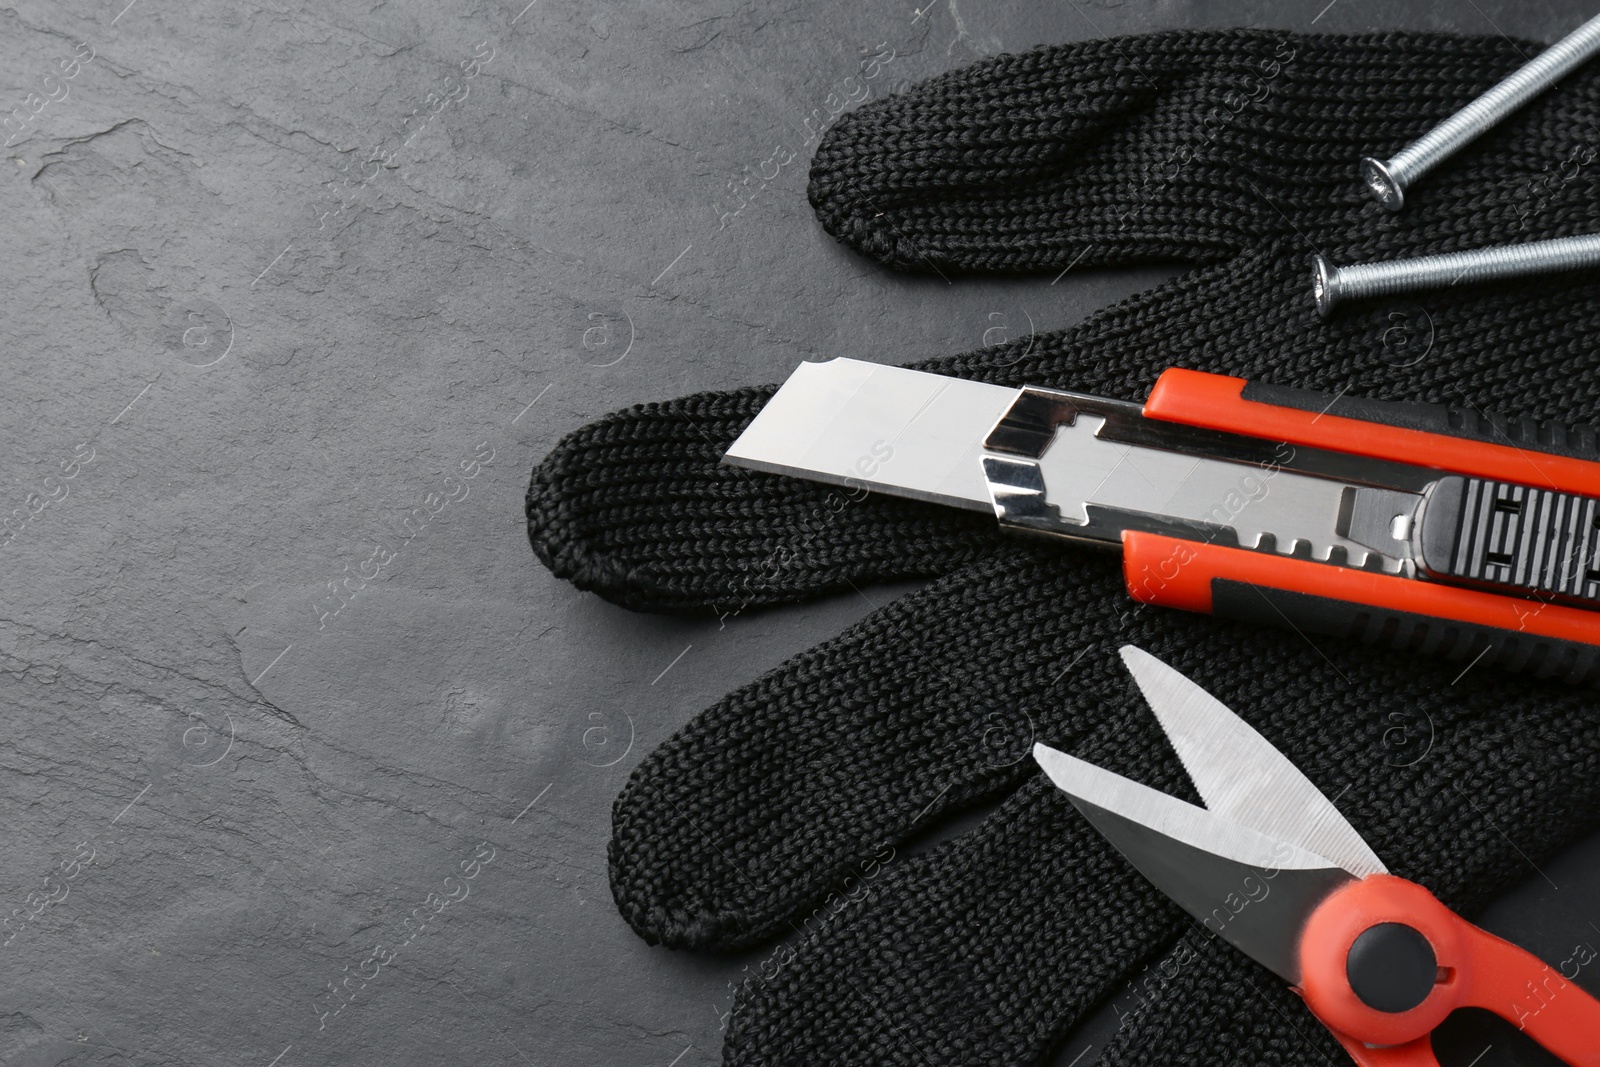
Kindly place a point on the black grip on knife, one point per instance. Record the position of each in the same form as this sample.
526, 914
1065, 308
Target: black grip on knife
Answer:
1509, 536
1578, 441
1543, 657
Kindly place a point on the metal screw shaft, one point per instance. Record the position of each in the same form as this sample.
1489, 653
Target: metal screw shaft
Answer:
1387, 181
1331, 285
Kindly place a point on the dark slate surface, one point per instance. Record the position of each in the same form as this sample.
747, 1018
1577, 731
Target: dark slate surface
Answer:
258, 352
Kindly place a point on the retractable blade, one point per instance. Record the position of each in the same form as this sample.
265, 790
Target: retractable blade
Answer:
1405, 524
913, 434
856, 424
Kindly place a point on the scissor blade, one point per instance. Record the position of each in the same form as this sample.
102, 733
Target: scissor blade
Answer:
1241, 776
887, 429
1257, 892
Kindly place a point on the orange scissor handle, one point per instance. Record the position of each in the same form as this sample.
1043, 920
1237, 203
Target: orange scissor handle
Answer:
1474, 969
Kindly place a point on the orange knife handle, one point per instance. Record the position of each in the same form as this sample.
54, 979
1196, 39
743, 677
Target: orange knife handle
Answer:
1545, 455
1553, 640
1471, 969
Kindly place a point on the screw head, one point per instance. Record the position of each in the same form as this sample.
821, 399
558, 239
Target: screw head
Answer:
1381, 184
1324, 284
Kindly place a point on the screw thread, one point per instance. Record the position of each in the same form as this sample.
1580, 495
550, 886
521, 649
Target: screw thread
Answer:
1463, 268
1522, 85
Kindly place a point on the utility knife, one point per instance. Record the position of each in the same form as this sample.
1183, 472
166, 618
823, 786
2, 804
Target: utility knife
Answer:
1440, 530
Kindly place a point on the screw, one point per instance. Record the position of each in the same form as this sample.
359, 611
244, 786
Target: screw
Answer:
1387, 181
1332, 285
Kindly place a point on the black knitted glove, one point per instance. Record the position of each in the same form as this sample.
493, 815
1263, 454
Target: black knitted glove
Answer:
788, 805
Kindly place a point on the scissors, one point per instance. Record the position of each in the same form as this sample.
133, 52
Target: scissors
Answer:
1271, 866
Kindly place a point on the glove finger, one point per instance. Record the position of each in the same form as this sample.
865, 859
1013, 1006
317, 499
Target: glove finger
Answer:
637, 507
1205, 1004
989, 949
973, 954
1182, 146
749, 814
